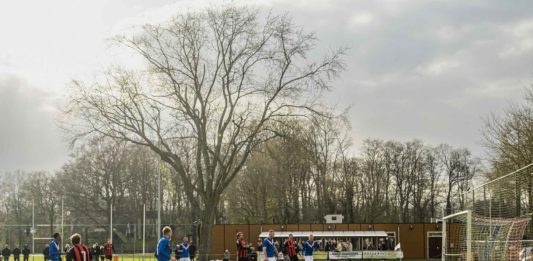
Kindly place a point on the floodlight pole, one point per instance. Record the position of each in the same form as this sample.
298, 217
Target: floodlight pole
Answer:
159, 198
33, 227
62, 218
443, 243
144, 229
469, 236
111, 223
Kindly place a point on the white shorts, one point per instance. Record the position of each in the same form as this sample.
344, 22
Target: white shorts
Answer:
308, 258
185, 259
272, 259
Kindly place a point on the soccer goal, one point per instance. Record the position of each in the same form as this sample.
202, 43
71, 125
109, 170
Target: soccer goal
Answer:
496, 223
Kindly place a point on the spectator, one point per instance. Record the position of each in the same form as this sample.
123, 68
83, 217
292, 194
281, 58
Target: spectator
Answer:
226, 255
163, 246
46, 252
328, 246
95, 253
65, 250
102, 257
253, 254
369, 245
349, 246
340, 246
259, 246
6, 252
16, 254
77, 252
192, 251
278, 247
26, 253
382, 244
108, 250
55, 248
391, 244
280, 256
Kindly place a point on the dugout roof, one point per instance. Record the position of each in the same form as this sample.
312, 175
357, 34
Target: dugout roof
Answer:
322, 234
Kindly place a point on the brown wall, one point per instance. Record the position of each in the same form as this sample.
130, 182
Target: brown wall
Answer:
413, 240
217, 242
413, 237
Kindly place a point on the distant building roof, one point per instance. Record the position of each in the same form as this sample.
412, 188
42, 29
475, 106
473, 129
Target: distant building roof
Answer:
320, 234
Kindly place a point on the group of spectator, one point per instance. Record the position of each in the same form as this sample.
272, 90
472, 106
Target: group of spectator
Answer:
7, 252
102, 251
249, 252
336, 245
383, 244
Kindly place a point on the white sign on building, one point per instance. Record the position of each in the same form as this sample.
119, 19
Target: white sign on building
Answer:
334, 219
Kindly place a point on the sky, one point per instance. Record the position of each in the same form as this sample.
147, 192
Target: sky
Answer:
430, 70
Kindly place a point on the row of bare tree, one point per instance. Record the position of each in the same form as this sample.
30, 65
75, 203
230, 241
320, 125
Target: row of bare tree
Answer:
304, 173
309, 172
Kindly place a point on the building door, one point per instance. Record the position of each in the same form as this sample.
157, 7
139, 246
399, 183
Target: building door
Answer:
434, 250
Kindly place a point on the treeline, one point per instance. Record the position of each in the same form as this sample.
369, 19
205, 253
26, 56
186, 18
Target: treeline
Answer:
304, 173
101, 175
308, 172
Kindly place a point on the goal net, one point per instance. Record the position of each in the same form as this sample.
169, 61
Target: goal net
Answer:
496, 223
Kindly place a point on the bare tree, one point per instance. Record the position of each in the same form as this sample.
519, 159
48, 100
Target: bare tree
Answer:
324, 145
509, 140
16, 204
460, 168
40, 189
372, 182
434, 174
215, 81
101, 165
350, 175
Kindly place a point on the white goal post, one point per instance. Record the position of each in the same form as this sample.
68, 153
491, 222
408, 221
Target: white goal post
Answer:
496, 221
466, 228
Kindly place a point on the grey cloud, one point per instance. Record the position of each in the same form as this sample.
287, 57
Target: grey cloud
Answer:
29, 138
425, 69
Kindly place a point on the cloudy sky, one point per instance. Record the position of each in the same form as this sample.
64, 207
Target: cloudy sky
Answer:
416, 68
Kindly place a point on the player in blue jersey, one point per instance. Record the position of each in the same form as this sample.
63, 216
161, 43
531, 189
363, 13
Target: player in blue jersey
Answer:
55, 248
163, 249
182, 250
270, 252
308, 247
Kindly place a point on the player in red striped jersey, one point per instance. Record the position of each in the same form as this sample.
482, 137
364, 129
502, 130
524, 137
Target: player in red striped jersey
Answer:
291, 248
242, 248
78, 252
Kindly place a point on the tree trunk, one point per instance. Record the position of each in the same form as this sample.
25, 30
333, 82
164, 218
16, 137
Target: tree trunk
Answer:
207, 217
449, 202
